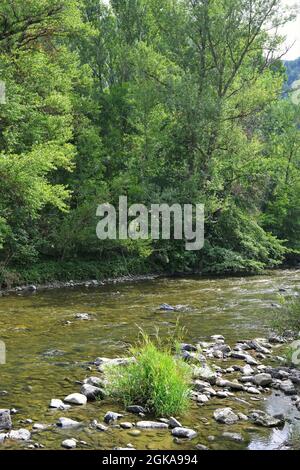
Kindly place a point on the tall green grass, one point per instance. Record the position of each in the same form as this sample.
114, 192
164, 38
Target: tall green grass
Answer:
157, 380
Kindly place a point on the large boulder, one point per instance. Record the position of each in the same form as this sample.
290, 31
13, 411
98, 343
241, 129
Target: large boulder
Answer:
225, 416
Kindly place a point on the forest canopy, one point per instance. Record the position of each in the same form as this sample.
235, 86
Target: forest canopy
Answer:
179, 101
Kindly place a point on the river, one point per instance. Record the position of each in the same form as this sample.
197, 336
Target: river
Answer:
33, 325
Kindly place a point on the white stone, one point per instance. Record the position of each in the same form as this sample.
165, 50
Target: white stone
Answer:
76, 399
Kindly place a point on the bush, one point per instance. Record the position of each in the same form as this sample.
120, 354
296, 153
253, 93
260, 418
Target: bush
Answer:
157, 380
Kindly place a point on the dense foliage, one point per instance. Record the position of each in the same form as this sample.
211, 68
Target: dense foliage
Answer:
174, 101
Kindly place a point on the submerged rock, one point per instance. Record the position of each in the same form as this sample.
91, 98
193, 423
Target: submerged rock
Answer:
83, 316
67, 423
201, 447
233, 436
260, 418
184, 433
166, 308
226, 416
151, 425
288, 387
228, 384
59, 404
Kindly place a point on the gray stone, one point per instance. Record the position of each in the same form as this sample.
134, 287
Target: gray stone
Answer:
59, 404
5, 420
184, 433
253, 391
110, 417
205, 373
288, 387
135, 409
151, 425
95, 381
233, 436
67, 423
201, 398
174, 423
260, 418
225, 416
76, 399
228, 384
188, 347
83, 316
126, 425
40, 427
19, 435
263, 380
91, 392
69, 444
201, 447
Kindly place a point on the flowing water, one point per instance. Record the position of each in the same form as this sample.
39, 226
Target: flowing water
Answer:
32, 325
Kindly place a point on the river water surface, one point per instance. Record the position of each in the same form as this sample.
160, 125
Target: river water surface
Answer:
32, 325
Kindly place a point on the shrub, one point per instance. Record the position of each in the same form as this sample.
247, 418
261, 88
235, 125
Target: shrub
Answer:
157, 380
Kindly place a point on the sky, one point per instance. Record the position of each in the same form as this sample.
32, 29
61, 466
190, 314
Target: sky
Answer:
292, 32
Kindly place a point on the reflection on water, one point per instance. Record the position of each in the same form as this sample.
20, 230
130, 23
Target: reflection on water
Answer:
238, 308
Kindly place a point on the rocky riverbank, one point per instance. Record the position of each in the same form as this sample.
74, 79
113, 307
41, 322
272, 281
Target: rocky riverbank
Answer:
243, 374
32, 288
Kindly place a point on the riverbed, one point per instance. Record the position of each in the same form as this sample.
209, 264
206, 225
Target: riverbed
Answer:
48, 350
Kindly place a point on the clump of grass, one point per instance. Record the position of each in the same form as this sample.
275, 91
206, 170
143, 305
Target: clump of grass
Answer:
288, 317
157, 380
